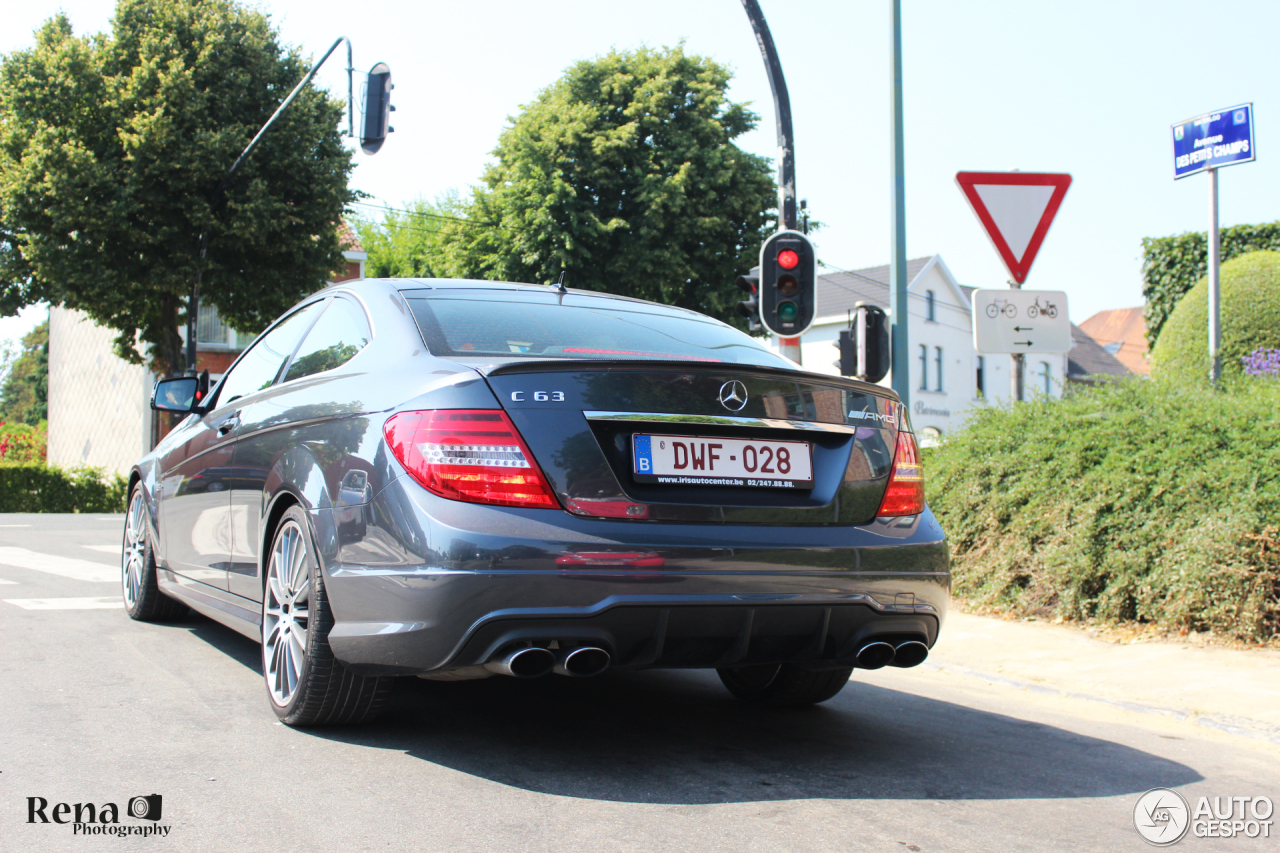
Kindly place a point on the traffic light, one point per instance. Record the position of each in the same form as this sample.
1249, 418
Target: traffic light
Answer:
788, 284
750, 307
864, 347
377, 108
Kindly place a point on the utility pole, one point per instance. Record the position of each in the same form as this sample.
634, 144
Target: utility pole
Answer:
898, 259
789, 347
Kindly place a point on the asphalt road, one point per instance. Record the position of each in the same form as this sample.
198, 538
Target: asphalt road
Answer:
97, 708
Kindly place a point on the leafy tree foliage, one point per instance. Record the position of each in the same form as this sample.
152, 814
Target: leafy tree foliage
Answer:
24, 394
407, 243
1171, 266
111, 152
625, 176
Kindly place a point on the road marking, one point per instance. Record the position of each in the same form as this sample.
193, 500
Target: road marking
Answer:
106, 549
67, 567
15, 583
15, 525
66, 603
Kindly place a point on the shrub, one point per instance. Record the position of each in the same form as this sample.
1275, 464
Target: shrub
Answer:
1134, 501
1250, 305
20, 443
42, 488
1171, 266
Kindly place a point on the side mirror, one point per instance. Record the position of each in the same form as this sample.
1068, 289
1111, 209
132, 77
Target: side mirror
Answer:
175, 395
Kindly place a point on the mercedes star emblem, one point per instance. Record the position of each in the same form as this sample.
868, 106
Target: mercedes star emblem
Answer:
733, 395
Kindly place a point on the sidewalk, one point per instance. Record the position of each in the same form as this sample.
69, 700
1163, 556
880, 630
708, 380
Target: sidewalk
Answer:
1230, 689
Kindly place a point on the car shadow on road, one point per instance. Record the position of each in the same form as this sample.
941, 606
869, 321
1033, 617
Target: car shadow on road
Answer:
676, 737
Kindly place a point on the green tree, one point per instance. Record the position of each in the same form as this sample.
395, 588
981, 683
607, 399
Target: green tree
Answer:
407, 243
24, 394
111, 152
625, 176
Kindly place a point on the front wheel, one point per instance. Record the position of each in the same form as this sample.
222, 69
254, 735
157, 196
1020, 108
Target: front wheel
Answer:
1032, 312
306, 685
143, 599
992, 311
784, 685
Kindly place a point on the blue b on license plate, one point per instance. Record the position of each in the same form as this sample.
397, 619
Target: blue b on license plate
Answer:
712, 461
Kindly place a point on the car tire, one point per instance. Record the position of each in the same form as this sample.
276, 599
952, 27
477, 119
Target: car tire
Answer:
143, 599
306, 684
784, 685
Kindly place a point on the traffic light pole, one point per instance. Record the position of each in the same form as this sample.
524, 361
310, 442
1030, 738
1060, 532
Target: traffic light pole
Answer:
193, 302
898, 259
789, 347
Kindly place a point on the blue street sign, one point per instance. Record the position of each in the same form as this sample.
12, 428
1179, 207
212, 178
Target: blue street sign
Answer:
1221, 138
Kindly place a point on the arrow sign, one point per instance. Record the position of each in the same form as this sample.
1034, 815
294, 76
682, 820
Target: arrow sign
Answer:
1016, 209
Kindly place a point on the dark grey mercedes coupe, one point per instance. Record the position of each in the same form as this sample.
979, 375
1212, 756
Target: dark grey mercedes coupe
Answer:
458, 479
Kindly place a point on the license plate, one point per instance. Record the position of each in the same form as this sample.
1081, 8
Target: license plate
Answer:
692, 460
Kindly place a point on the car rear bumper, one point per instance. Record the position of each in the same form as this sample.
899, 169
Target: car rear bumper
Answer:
432, 584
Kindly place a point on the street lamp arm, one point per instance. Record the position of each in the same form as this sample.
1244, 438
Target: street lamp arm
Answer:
782, 111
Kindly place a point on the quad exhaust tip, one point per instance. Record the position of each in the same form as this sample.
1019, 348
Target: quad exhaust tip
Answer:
910, 653
531, 662
582, 662
875, 655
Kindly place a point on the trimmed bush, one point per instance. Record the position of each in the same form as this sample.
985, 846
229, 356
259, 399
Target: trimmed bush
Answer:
1250, 320
41, 488
1138, 501
1171, 266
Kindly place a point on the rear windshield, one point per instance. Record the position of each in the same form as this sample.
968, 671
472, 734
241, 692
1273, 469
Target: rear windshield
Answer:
489, 323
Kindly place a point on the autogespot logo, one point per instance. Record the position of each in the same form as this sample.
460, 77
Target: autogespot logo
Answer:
1161, 816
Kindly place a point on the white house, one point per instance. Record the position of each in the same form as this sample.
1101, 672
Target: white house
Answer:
948, 377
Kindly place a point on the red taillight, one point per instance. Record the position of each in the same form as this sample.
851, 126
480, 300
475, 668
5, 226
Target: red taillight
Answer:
905, 493
468, 455
788, 259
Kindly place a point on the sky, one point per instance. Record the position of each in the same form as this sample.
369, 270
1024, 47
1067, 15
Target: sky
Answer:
1089, 88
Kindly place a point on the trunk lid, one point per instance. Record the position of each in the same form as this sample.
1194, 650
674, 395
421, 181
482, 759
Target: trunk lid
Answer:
580, 420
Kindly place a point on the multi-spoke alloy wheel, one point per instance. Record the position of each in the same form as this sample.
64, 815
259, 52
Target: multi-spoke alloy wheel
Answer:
143, 599
286, 613
134, 559
306, 685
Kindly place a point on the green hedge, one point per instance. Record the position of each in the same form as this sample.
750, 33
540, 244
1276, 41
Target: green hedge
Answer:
1250, 310
1137, 501
1172, 265
42, 488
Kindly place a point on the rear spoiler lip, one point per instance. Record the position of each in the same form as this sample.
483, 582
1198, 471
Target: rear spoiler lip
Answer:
562, 365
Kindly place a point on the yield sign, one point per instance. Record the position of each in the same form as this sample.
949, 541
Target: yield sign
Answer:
1016, 208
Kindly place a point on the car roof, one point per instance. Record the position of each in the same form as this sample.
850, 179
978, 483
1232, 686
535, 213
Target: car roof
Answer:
405, 284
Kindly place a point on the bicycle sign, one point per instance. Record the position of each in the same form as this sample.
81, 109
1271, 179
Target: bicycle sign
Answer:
1014, 321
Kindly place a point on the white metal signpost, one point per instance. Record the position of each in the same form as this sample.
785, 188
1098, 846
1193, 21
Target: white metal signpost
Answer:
1016, 210
1207, 143
1020, 321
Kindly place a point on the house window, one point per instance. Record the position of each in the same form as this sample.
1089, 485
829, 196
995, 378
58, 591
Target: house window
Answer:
924, 368
1044, 374
210, 329
937, 368
930, 307
980, 379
